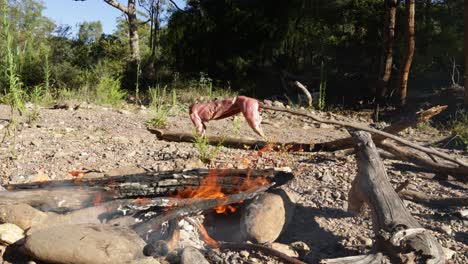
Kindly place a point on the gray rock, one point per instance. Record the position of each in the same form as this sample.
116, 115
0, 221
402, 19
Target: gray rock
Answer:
244, 253
447, 229
285, 249
10, 234
266, 217
191, 255
84, 243
22, 215
278, 104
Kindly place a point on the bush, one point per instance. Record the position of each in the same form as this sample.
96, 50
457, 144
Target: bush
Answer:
109, 91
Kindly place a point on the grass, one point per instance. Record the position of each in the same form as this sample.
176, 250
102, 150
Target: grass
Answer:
459, 128
14, 95
109, 91
206, 152
160, 115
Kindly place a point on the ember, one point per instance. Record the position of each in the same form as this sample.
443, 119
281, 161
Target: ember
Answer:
209, 188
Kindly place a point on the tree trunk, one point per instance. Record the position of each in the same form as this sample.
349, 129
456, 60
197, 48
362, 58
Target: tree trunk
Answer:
387, 52
133, 32
466, 54
408, 51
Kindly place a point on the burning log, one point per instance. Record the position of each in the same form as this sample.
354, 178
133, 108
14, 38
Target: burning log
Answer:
397, 232
82, 192
196, 206
166, 242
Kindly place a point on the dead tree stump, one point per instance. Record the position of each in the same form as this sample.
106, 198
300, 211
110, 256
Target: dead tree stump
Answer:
398, 234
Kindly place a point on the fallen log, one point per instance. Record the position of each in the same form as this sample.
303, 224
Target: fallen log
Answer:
397, 232
82, 192
240, 143
371, 130
459, 172
334, 145
395, 128
422, 198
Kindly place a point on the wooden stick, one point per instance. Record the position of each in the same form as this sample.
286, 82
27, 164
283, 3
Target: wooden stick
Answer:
378, 258
371, 130
419, 197
460, 172
391, 221
270, 251
194, 207
304, 90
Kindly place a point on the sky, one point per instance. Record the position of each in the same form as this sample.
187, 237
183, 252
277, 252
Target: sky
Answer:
72, 12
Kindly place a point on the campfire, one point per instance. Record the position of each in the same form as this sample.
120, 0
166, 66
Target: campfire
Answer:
152, 204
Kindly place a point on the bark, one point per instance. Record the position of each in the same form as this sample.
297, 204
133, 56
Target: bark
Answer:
397, 232
387, 51
74, 194
408, 51
419, 197
304, 90
405, 155
466, 53
130, 12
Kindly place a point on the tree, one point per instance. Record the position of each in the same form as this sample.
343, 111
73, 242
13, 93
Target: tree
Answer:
387, 52
408, 51
466, 53
90, 32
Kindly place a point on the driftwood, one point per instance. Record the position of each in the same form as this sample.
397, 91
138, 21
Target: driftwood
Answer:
83, 192
395, 128
384, 134
266, 250
397, 232
304, 90
459, 172
419, 197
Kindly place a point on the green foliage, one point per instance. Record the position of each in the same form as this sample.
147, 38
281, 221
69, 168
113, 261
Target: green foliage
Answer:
459, 128
236, 125
206, 152
108, 91
159, 116
322, 88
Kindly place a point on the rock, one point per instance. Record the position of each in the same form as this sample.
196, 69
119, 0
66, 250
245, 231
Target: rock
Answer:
448, 253
278, 104
285, 249
128, 170
447, 229
22, 215
365, 241
326, 176
84, 243
244, 253
301, 247
191, 255
149, 260
268, 102
10, 234
266, 217
124, 112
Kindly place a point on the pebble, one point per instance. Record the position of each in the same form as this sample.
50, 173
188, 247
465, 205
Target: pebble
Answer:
10, 234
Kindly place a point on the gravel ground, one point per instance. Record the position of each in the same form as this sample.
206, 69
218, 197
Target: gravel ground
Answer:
103, 140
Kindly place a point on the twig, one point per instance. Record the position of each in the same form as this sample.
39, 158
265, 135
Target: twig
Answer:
270, 251
419, 197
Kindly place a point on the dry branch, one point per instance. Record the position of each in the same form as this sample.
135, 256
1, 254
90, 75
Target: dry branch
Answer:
378, 258
397, 231
402, 154
304, 90
269, 251
419, 197
371, 130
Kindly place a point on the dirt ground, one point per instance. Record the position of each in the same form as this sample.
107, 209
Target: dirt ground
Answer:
104, 139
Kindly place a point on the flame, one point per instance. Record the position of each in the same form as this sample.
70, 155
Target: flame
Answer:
209, 188
209, 240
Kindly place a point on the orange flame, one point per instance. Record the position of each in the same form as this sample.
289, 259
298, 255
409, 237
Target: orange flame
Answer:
209, 188
209, 240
